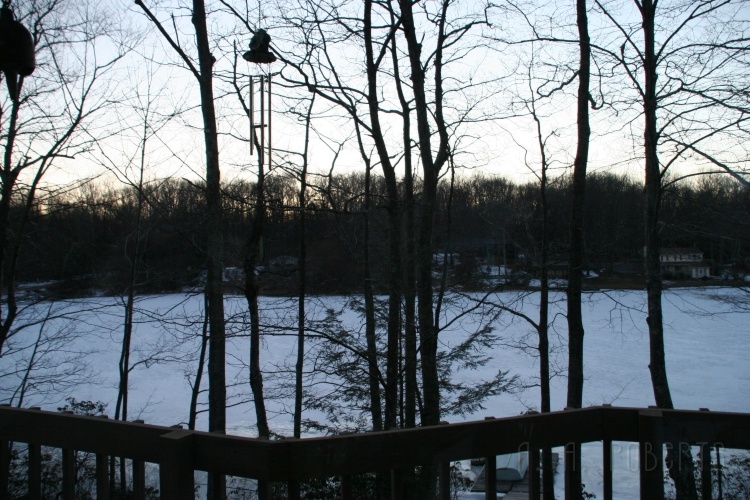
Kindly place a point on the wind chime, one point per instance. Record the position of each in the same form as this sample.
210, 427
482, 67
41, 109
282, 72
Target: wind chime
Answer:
16, 50
259, 53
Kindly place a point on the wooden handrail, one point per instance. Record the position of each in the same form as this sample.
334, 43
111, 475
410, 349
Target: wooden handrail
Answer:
180, 452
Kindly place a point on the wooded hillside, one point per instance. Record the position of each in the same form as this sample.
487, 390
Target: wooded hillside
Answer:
78, 239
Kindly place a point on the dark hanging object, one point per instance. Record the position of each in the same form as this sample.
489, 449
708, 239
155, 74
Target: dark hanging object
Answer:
16, 49
259, 52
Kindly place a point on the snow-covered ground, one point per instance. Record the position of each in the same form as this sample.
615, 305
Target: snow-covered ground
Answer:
707, 345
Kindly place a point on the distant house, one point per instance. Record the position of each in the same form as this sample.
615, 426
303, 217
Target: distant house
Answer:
684, 263
284, 264
557, 265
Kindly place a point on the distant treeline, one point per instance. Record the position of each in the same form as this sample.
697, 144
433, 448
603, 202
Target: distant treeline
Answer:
85, 239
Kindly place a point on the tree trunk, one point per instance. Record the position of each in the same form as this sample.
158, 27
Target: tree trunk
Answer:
680, 461
543, 326
394, 232
253, 257
199, 371
409, 396
9, 176
410, 311
575, 268
217, 390
121, 408
372, 349
299, 368
431, 166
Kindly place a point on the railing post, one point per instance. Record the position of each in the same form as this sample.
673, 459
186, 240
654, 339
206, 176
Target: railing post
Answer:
176, 465
139, 475
69, 474
444, 485
651, 454
573, 488
102, 473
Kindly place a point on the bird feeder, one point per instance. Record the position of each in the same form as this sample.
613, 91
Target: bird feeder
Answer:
260, 53
16, 49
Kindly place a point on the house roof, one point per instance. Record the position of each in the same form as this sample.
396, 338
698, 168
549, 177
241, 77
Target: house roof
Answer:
680, 250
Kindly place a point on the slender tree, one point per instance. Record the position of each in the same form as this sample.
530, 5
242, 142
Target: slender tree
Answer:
394, 221
374, 376
575, 266
302, 292
253, 257
432, 160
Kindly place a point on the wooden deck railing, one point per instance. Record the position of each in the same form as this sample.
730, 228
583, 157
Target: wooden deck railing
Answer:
180, 452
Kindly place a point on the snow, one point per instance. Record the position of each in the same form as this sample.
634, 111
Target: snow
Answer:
707, 345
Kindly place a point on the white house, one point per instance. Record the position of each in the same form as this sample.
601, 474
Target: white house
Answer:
684, 263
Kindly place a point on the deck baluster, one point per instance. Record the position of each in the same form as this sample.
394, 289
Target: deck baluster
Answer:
35, 471
347, 489
705, 455
139, 479
490, 477
535, 484
445, 481
4, 468
69, 474
397, 484
607, 468
102, 477
293, 490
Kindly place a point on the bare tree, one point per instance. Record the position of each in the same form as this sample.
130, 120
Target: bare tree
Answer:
680, 78
380, 31
131, 170
302, 296
203, 73
51, 119
253, 257
575, 268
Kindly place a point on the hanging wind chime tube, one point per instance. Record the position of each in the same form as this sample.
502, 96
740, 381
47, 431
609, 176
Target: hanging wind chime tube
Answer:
260, 53
269, 120
262, 121
252, 117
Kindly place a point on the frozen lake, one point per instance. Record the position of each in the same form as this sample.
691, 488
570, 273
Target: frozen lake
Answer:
707, 344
